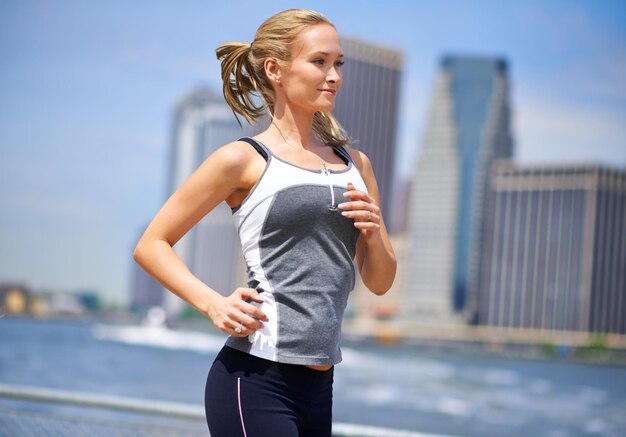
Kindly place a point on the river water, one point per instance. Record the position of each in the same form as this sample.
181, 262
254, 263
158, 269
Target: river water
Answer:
397, 386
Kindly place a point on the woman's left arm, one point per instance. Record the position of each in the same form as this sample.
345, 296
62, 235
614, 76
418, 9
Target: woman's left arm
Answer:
375, 257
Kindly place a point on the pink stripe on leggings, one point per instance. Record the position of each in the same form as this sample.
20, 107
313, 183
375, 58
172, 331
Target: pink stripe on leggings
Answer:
240, 411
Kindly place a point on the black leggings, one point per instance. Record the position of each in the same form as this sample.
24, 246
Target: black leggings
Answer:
247, 396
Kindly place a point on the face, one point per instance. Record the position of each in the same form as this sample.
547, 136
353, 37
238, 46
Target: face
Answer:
311, 80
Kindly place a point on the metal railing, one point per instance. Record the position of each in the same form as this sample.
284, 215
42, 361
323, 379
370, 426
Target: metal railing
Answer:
186, 419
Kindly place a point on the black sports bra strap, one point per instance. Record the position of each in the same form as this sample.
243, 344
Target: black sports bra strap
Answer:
343, 154
257, 146
265, 153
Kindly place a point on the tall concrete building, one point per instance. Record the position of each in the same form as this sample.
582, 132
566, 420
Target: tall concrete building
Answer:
367, 107
467, 128
555, 249
192, 114
202, 123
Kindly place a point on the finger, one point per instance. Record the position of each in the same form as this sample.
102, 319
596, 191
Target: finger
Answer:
355, 194
239, 330
245, 321
362, 216
250, 322
367, 216
367, 226
251, 294
359, 205
243, 303
254, 312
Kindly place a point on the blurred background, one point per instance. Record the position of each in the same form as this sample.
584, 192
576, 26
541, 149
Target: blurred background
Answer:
497, 131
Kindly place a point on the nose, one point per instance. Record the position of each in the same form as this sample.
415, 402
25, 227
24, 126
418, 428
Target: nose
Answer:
334, 75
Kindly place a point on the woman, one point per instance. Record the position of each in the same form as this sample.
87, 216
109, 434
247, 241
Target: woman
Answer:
305, 205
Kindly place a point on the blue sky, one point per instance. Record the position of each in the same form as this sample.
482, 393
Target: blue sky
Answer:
87, 89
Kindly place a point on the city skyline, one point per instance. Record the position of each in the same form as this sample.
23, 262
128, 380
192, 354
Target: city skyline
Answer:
468, 127
86, 91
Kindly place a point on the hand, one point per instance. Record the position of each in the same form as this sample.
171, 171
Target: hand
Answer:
363, 209
229, 313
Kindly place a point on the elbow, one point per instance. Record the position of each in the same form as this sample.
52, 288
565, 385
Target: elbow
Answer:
138, 252
383, 283
146, 249
380, 291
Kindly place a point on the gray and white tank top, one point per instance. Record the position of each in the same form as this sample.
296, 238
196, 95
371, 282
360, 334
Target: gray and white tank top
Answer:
299, 252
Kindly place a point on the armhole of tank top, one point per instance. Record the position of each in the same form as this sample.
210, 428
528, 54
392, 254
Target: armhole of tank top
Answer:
265, 153
356, 168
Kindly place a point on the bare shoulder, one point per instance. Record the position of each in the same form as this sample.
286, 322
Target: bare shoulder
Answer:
361, 160
237, 155
231, 169
364, 165
235, 166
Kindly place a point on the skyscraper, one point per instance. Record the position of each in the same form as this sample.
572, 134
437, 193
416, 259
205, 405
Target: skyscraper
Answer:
467, 128
367, 107
555, 248
188, 143
202, 123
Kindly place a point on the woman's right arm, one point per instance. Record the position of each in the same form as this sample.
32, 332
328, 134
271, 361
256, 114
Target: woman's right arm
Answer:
225, 175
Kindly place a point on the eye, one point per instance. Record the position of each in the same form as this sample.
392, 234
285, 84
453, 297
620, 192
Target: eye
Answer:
318, 61
339, 63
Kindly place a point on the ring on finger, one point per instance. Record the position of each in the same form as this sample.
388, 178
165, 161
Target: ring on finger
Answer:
239, 328
369, 215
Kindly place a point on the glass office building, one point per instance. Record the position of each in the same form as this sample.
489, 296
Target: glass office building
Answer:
554, 253
367, 107
468, 127
202, 123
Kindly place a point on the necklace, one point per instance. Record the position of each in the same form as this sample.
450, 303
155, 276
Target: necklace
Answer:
324, 169
283, 137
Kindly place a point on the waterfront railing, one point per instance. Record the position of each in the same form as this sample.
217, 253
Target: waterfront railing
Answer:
190, 418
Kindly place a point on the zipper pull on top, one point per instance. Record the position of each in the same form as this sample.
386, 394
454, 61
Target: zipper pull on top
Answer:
330, 186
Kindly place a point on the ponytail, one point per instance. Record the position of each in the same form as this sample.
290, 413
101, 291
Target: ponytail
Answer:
239, 85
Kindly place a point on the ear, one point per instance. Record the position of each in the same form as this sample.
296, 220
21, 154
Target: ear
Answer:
272, 71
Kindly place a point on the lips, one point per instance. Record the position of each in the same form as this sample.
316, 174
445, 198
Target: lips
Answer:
329, 91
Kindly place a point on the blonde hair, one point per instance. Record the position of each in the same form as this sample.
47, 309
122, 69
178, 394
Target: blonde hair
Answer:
243, 72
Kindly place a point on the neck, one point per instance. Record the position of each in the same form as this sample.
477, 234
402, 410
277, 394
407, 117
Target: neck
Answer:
296, 127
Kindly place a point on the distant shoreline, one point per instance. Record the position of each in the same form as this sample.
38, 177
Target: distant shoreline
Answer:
574, 347
581, 348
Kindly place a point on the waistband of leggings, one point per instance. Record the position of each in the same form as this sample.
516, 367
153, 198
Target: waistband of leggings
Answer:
236, 360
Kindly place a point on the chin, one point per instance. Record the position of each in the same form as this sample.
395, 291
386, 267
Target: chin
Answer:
325, 107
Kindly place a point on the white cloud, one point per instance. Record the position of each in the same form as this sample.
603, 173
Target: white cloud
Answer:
551, 130
572, 107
